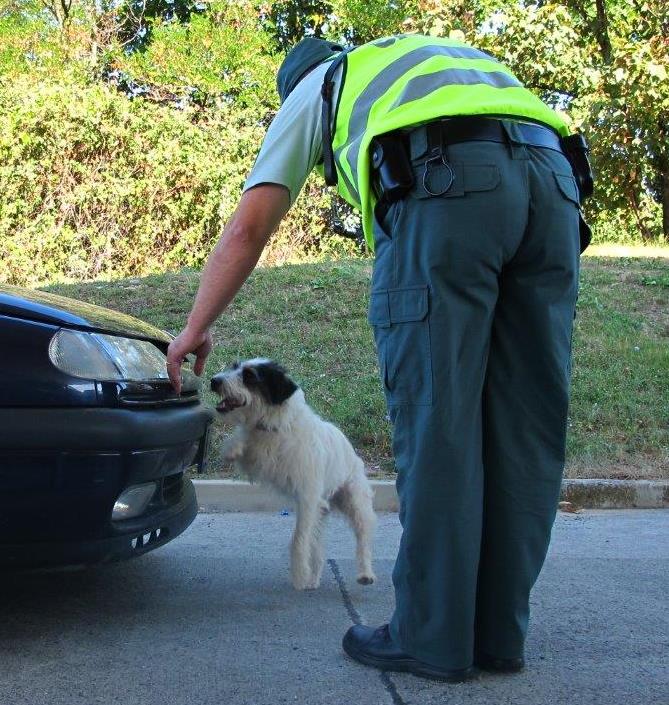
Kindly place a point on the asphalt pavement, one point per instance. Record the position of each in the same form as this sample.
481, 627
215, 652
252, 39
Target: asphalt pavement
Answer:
212, 618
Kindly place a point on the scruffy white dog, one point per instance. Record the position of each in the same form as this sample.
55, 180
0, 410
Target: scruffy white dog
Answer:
279, 439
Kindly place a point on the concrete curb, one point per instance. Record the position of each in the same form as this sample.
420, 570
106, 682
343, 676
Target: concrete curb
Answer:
616, 494
237, 496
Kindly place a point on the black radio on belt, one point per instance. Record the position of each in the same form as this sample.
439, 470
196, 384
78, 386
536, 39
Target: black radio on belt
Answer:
576, 150
391, 164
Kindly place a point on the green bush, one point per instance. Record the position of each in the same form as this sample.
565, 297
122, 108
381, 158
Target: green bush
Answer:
94, 184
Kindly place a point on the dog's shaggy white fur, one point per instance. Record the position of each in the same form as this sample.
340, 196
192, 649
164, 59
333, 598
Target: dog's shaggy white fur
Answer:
279, 439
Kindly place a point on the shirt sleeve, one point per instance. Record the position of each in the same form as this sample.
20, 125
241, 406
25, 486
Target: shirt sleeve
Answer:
293, 144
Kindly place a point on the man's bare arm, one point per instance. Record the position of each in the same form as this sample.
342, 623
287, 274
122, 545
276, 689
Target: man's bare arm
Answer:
258, 214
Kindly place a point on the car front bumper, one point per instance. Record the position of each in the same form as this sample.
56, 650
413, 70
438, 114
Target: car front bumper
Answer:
62, 470
127, 539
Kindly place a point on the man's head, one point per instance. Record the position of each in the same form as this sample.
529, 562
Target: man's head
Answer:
303, 57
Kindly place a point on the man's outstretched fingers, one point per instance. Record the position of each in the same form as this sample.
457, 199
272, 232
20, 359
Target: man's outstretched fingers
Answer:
187, 342
174, 373
198, 367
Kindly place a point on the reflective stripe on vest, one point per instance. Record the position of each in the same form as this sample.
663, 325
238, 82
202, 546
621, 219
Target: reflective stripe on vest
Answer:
406, 80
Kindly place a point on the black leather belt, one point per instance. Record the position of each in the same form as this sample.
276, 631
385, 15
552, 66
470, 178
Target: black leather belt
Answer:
442, 133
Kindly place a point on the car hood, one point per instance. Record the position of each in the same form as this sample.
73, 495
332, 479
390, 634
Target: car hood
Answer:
62, 311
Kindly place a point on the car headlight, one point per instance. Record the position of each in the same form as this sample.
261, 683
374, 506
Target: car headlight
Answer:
106, 357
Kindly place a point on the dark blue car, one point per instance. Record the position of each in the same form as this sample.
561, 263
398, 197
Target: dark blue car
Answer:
94, 443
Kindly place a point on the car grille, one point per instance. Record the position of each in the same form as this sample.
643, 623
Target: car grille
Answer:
149, 400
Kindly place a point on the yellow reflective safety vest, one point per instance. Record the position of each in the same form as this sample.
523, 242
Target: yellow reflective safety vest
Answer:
407, 80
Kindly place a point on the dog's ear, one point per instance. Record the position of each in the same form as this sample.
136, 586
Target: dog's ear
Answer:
273, 382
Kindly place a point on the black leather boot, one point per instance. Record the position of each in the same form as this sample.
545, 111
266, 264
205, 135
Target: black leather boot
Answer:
375, 647
499, 665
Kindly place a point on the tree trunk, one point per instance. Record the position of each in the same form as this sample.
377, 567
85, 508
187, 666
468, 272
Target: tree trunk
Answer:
665, 204
602, 31
661, 180
646, 232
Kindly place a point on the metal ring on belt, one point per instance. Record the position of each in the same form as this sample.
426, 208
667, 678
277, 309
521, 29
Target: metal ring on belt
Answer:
483, 129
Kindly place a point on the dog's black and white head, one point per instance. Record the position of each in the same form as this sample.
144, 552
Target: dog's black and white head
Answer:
252, 387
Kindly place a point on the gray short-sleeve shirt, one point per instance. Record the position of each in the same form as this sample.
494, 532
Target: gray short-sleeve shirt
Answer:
293, 144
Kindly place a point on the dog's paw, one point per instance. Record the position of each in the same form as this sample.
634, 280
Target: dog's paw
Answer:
366, 579
310, 584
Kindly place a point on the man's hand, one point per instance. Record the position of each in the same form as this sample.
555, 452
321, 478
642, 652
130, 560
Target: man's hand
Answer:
188, 341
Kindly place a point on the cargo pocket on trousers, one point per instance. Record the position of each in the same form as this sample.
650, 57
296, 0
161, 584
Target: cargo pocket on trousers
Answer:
400, 321
567, 186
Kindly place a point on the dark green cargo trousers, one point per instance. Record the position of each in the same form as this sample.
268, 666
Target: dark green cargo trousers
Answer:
472, 306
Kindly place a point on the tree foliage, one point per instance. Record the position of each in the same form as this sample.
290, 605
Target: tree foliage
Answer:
128, 127
606, 65
218, 56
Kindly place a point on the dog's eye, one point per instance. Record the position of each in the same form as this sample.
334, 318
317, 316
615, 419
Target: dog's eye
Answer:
250, 377
235, 365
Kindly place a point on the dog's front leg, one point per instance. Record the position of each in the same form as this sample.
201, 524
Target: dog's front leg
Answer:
308, 518
233, 446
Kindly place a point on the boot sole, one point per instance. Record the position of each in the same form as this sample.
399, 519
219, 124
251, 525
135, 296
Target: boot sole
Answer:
493, 665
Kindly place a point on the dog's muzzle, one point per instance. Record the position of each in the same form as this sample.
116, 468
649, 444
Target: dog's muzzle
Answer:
227, 403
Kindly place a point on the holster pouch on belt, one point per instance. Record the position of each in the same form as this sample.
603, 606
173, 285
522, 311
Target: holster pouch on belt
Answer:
576, 150
391, 164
